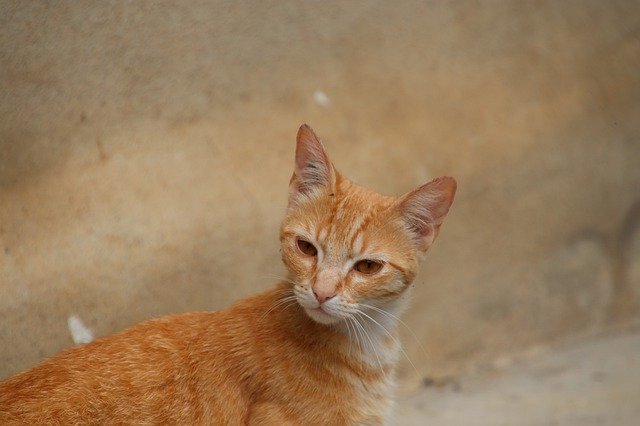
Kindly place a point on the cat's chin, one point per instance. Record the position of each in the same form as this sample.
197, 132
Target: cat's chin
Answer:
320, 316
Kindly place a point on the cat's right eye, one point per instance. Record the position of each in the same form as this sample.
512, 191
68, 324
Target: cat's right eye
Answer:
367, 266
307, 248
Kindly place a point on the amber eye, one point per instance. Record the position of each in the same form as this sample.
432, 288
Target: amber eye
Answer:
307, 248
367, 266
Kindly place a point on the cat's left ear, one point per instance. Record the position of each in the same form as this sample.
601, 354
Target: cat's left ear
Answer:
313, 170
424, 209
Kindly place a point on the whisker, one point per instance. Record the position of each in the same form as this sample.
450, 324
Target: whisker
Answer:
278, 303
390, 315
349, 331
392, 337
275, 305
287, 305
355, 332
361, 342
373, 348
284, 290
281, 278
370, 340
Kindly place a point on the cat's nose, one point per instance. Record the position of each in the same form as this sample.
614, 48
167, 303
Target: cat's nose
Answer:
322, 296
324, 288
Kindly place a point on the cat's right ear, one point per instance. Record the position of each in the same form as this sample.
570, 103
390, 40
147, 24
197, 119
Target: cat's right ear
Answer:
425, 208
313, 171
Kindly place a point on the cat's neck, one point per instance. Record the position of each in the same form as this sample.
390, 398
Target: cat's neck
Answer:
371, 336
374, 331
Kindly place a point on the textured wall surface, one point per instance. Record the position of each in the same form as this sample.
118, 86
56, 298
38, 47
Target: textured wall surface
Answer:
146, 147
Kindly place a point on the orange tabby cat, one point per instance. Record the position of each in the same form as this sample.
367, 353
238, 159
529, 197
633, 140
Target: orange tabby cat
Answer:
318, 349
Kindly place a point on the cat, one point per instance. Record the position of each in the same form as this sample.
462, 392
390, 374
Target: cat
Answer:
320, 348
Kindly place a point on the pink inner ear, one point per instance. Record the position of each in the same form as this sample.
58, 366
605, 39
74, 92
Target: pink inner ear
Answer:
425, 208
312, 165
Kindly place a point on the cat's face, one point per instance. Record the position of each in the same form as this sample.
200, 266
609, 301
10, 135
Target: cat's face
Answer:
348, 248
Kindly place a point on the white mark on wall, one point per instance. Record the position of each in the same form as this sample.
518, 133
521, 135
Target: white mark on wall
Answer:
321, 98
80, 333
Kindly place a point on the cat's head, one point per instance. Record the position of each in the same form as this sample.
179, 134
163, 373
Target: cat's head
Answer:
347, 247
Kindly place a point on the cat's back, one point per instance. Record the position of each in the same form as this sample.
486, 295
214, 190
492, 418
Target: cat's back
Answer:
155, 364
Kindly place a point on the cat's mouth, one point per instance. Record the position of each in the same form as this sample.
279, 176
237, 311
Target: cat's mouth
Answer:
319, 314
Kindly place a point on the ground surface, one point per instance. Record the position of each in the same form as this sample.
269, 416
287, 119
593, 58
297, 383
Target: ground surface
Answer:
596, 382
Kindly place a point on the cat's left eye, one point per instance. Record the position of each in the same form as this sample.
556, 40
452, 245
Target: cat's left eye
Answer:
306, 247
367, 266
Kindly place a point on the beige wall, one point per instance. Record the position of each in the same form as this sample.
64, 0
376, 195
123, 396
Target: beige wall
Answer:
145, 151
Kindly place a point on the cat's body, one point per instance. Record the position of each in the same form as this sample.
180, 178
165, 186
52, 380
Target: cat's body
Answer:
319, 349
236, 366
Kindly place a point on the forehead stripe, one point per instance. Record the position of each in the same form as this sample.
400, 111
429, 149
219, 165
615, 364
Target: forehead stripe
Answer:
364, 222
357, 243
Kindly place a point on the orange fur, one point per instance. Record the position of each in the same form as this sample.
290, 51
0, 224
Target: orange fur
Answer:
288, 356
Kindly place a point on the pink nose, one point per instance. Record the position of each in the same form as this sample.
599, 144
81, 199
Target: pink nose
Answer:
322, 296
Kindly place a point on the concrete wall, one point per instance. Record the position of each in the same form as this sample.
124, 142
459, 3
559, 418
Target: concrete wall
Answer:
146, 147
